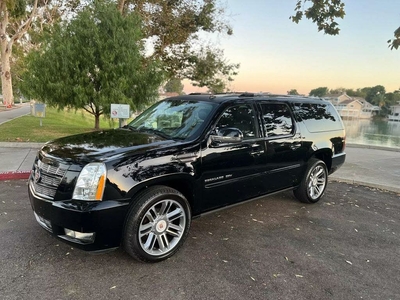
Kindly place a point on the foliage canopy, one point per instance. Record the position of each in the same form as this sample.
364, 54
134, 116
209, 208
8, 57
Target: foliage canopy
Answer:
325, 13
174, 85
319, 92
94, 60
293, 92
173, 31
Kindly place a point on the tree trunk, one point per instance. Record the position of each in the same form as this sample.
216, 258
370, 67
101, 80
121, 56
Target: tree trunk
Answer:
120, 6
6, 82
7, 39
97, 121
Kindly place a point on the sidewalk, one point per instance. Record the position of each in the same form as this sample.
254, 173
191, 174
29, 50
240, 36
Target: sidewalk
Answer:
16, 159
374, 167
371, 166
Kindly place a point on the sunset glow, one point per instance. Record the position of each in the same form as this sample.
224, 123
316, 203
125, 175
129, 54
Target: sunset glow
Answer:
277, 55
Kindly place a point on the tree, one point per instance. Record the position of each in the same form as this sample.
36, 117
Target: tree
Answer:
319, 92
337, 91
92, 61
208, 68
375, 94
355, 93
325, 14
293, 92
393, 98
395, 41
15, 19
385, 101
218, 87
172, 29
22, 22
174, 85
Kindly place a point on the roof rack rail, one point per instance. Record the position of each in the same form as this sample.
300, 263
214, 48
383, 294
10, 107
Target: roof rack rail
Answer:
287, 96
246, 94
226, 94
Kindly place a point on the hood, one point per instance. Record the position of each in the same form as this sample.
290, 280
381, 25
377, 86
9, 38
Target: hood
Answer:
101, 145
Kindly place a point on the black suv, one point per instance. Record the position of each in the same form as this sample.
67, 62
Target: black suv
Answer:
140, 186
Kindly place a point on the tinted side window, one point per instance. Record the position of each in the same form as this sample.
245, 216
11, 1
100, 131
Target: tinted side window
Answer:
240, 117
277, 119
318, 116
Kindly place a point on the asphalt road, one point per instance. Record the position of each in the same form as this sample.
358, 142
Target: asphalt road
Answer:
10, 114
345, 247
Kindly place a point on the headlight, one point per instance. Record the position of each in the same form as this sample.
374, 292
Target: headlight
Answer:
91, 182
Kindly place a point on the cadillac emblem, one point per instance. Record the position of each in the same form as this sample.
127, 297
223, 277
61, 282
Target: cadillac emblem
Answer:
37, 176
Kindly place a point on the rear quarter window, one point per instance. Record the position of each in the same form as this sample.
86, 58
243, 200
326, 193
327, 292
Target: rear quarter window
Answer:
318, 117
277, 120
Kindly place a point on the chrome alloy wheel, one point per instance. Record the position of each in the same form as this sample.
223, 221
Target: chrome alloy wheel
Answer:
316, 182
162, 227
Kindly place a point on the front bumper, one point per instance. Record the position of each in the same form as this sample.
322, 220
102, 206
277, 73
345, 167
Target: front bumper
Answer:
105, 219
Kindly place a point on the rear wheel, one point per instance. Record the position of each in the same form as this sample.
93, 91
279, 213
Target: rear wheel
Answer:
157, 224
313, 185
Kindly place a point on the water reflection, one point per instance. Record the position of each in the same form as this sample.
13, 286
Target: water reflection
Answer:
370, 132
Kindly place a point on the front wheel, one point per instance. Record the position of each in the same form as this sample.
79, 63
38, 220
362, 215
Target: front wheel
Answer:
157, 224
313, 185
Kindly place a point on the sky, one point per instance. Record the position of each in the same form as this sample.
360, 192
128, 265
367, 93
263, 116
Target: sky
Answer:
277, 55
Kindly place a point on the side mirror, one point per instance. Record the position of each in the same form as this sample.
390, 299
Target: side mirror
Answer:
227, 135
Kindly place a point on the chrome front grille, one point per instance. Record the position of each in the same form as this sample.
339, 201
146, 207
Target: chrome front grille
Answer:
46, 178
44, 191
50, 181
58, 171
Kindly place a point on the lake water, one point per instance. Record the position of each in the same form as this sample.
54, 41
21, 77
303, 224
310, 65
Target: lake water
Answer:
373, 132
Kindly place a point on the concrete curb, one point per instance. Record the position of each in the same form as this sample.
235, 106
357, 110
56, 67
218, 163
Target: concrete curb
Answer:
372, 147
14, 175
28, 145
21, 174
367, 184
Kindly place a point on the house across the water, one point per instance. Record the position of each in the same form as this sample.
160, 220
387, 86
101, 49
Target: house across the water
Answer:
352, 107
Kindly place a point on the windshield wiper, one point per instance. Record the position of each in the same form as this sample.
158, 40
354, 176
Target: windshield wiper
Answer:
153, 131
130, 128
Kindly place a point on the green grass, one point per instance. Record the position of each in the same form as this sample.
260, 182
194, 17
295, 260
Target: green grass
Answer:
56, 124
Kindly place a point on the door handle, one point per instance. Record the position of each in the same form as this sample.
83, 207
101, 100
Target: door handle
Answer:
257, 153
256, 150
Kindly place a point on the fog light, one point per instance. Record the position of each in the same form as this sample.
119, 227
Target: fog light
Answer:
85, 238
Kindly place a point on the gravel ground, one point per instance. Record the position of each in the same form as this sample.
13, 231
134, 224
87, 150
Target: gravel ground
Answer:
345, 247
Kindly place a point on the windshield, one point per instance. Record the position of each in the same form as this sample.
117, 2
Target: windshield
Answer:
175, 119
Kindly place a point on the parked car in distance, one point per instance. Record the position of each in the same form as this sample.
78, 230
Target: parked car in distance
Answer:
141, 185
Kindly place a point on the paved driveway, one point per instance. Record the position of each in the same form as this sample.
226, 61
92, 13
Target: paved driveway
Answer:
9, 114
345, 247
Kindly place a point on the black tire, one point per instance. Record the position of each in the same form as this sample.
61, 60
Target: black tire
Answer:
314, 182
157, 224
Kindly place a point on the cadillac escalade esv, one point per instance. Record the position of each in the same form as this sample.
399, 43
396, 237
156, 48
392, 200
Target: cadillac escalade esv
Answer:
139, 186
